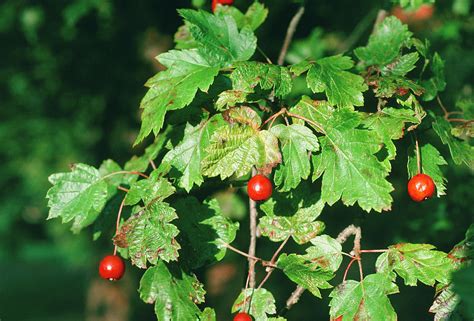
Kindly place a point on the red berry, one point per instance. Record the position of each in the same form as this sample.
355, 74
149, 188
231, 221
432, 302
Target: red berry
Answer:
424, 12
242, 316
421, 187
223, 2
339, 318
111, 268
259, 188
402, 91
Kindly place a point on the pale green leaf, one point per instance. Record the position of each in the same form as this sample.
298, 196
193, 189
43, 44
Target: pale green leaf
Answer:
79, 195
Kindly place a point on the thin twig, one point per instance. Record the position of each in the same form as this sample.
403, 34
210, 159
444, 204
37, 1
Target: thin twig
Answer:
152, 163
123, 189
460, 120
117, 223
253, 237
295, 297
374, 251
236, 250
274, 116
272, 261
289, 35
264, 55
446, 113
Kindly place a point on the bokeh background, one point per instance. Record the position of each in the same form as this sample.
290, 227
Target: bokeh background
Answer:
71, 79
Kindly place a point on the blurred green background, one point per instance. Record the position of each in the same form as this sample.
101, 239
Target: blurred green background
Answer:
71, 78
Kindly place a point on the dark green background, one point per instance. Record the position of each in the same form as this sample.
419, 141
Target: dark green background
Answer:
71, 78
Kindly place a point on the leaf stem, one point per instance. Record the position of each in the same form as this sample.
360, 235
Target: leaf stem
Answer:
418, 156
373, 251
125, 172
347, 269
152, 163
318, 126
126, 190
289, 34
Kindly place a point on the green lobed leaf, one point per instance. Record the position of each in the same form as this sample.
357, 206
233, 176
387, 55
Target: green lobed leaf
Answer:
185, 158
416, 262
385, 43
364, 301
175, 88
235, 148
249, 74
220, 40
330, 75
174, 292
431, 160
149, 236
390, 124
461, 151
304, 272
78, 196
204, 231
259, 303
149, 189
297, 142
253, 17
402, 65
437, 82
314, 269
292, 214
347, 161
